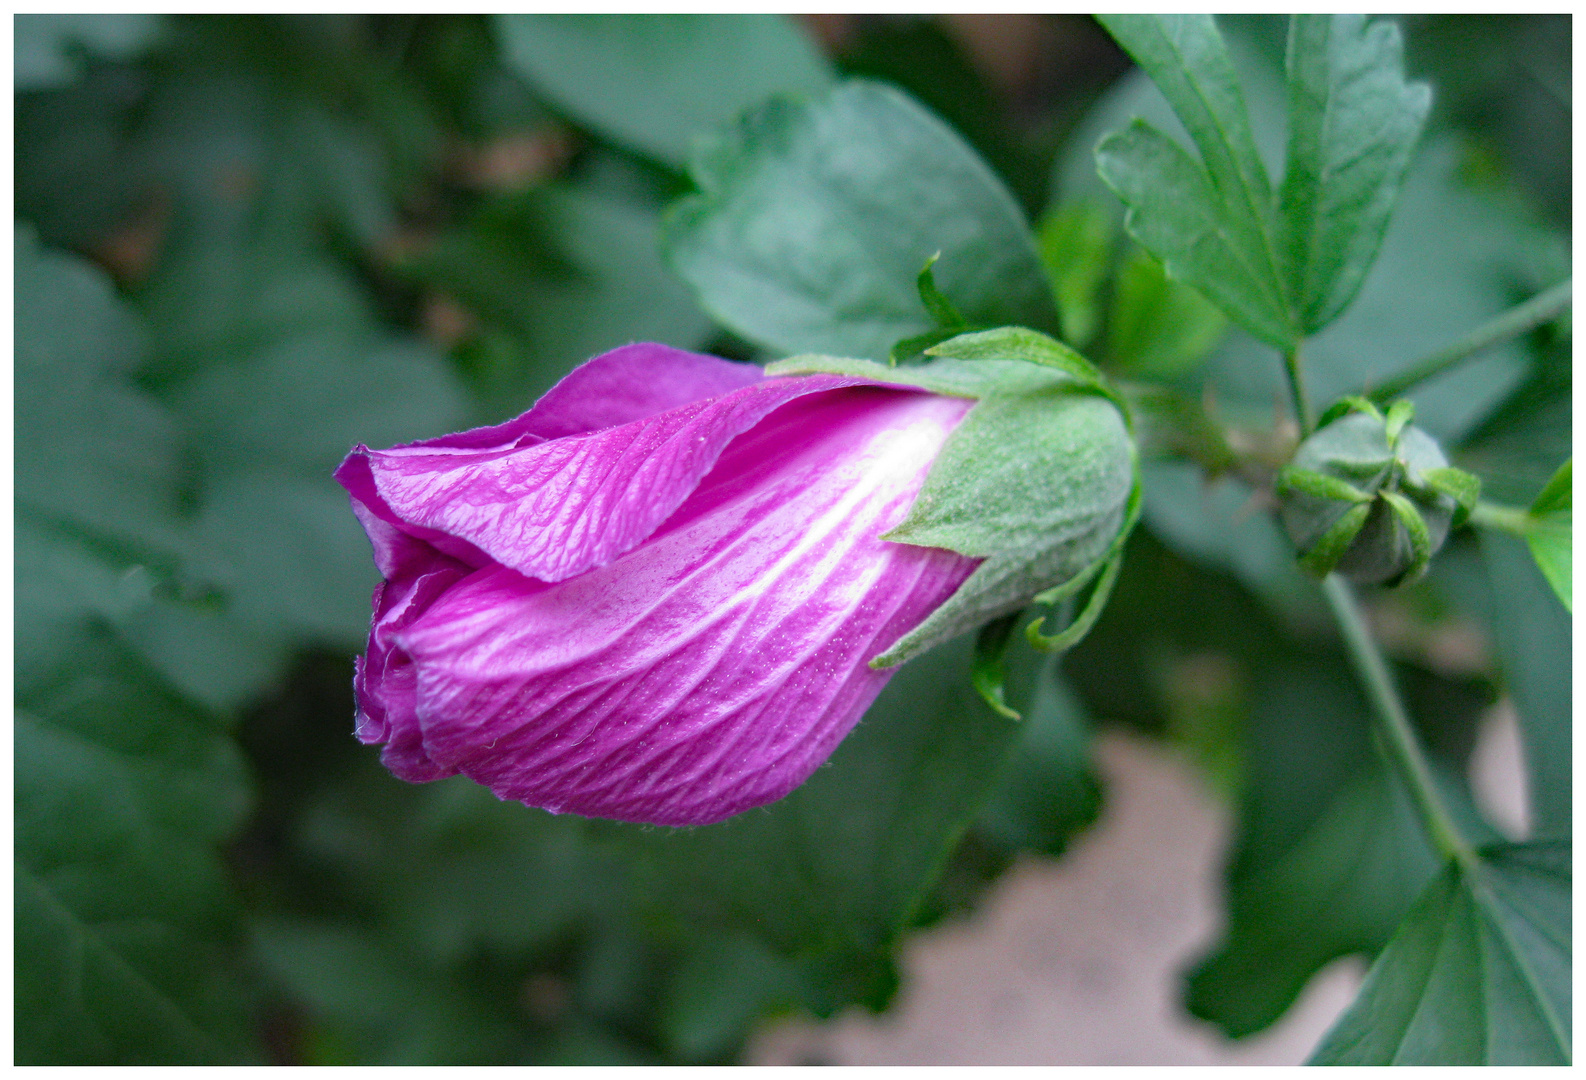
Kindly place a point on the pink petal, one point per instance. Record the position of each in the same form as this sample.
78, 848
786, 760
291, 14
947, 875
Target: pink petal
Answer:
631, 383
617, 387
556, 509
715, 667
385, 680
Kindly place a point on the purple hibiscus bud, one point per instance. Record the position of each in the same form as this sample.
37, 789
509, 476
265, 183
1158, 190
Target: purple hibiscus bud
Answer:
653, 596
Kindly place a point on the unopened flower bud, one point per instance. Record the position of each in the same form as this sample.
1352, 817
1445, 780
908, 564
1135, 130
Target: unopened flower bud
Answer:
1371, 497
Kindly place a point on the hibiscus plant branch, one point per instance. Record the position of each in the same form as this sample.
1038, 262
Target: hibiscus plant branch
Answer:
1541, 309
1403, 748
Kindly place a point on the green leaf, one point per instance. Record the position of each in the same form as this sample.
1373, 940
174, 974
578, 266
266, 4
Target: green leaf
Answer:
90, 447
1338, 888
814, 217
287, 555
1075, 238
382, 1004
1173, 214
1186, 58
1211, 223
1478, 974
1037, 485
1557, 495
80, 174
1549, 538
1353, 122
1158, 327
1330, 851
930, 60
65, 586
123, 909
722, 985
303, 402
1448, 240
1549, 532
835, 871
654, 82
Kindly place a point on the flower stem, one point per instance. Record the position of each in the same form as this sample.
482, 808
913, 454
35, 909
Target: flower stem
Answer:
1513, 519
1542, 308
1302, 404
1403, 748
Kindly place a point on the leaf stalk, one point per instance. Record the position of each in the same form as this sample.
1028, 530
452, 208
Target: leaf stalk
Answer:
1302, 403
1542, 308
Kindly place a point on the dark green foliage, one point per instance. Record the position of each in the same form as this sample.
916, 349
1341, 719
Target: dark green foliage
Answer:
815, 215
1477, 975
635, 79
126, 925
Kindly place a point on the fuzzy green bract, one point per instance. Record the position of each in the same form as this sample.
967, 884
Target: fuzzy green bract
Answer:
1037, 479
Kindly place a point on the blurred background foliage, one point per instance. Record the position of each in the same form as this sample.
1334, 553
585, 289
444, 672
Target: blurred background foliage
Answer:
244, 244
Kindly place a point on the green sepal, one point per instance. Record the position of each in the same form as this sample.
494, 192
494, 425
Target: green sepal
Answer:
1363, 452
1042, 486
1075, 631
1400, 413
986, 670
936, 302
913, 348
1108, 566
1463, 487
1019, 343
1330, 547
1345, 406
1420, 538
953, 378
1322, 486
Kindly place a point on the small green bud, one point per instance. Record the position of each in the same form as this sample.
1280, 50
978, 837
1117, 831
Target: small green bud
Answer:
1371, 496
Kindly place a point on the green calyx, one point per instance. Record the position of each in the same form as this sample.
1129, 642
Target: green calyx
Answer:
1370, 496
1039, 481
